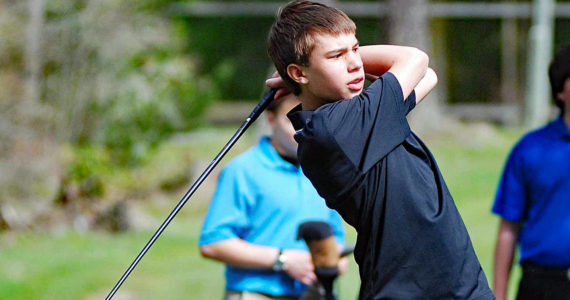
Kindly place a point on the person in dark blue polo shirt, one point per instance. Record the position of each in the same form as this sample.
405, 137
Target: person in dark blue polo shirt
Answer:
363, 159
533, 201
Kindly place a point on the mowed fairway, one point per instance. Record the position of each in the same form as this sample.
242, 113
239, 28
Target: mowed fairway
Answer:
71, 265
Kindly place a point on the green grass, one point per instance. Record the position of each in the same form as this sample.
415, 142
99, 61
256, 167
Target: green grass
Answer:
70, 265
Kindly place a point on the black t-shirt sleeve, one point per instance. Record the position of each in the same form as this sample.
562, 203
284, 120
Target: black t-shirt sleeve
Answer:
372, 124
410, 102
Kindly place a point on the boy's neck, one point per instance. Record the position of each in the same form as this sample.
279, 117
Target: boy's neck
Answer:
308, 106
310, 103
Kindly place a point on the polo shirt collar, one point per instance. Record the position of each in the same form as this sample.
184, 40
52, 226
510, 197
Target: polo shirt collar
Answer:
561, 129
271, 156
298, 116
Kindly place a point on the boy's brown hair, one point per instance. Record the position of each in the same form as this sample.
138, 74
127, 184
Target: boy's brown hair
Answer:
292, 37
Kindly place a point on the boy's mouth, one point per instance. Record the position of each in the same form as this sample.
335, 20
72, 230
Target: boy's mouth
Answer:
357, 84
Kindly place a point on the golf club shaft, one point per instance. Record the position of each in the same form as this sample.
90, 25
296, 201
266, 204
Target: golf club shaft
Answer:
252, 117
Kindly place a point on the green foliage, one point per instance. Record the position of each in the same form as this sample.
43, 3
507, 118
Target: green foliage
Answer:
86, 163
117, 76
92, 170
232, 51
166, 167
11, 22
468, 83
85, 171
562, 32
139, 118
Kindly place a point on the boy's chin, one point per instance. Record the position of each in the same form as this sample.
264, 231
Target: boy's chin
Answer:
354, 93
343, 96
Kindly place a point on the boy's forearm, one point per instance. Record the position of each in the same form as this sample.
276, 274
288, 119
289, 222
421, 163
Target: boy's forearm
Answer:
504, 252
378, 59
426, 85
408, 64
373, 61
239, 253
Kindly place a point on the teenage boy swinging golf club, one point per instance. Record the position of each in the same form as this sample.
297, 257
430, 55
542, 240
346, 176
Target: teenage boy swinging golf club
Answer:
365, 162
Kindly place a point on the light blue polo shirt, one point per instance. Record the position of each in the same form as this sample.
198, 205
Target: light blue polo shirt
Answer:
262, 199
535, 191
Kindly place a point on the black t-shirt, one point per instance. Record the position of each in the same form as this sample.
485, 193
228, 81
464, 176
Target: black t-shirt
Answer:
366, 163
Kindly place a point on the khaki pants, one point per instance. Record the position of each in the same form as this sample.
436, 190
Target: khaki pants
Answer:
232, 295
312, 293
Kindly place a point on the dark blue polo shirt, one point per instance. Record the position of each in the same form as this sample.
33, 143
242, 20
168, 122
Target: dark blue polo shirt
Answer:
535, 191
366, 163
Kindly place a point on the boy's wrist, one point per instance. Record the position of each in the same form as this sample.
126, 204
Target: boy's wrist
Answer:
279, 263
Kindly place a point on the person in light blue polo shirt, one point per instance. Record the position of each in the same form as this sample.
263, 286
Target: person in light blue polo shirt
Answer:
252, 222
533, 201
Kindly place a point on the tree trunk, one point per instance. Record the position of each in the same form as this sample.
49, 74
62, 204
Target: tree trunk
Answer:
33, 50
541, 35
409, 25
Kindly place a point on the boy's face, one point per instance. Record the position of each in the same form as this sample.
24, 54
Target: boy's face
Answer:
335, 69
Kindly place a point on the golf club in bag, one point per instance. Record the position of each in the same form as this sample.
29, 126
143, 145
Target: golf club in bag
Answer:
261, 106
318, 236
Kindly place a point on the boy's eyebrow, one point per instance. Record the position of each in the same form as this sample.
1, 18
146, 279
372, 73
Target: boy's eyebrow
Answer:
341, 49
336, 50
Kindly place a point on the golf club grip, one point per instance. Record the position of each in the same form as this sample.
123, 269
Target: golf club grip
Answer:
262, 105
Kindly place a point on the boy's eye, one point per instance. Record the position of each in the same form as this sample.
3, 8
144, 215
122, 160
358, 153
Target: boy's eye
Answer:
335, 56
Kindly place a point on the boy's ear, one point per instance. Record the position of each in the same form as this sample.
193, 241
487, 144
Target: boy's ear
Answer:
560, 97
297, 73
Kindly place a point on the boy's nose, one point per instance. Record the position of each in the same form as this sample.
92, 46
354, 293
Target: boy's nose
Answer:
355, 62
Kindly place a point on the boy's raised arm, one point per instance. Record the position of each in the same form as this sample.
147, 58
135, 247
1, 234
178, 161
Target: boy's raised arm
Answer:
409, 65
425, 85
423, 88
